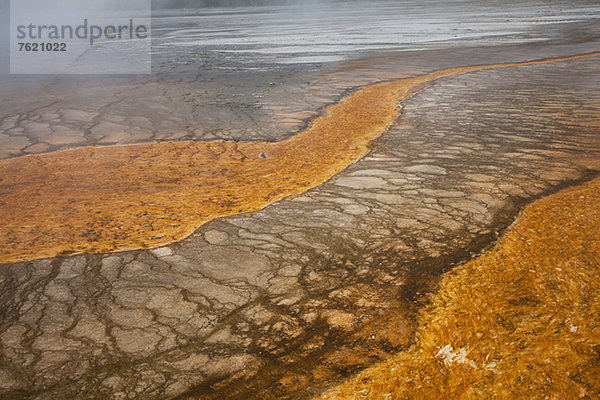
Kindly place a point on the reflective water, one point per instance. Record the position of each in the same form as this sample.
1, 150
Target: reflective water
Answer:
316, 33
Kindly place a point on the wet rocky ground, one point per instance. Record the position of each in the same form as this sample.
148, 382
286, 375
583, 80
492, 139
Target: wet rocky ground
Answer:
282, 302
205, 93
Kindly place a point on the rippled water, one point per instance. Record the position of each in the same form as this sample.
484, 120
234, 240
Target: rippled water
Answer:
258, 36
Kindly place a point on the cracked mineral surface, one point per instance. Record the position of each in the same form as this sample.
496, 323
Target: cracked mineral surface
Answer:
285, 301
275, 301
118, 198
521, 321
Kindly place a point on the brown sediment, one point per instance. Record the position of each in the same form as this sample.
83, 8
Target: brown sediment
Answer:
100, 199
520, 321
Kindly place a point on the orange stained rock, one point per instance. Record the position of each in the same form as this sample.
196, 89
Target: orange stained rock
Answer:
101, 199
522, 321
